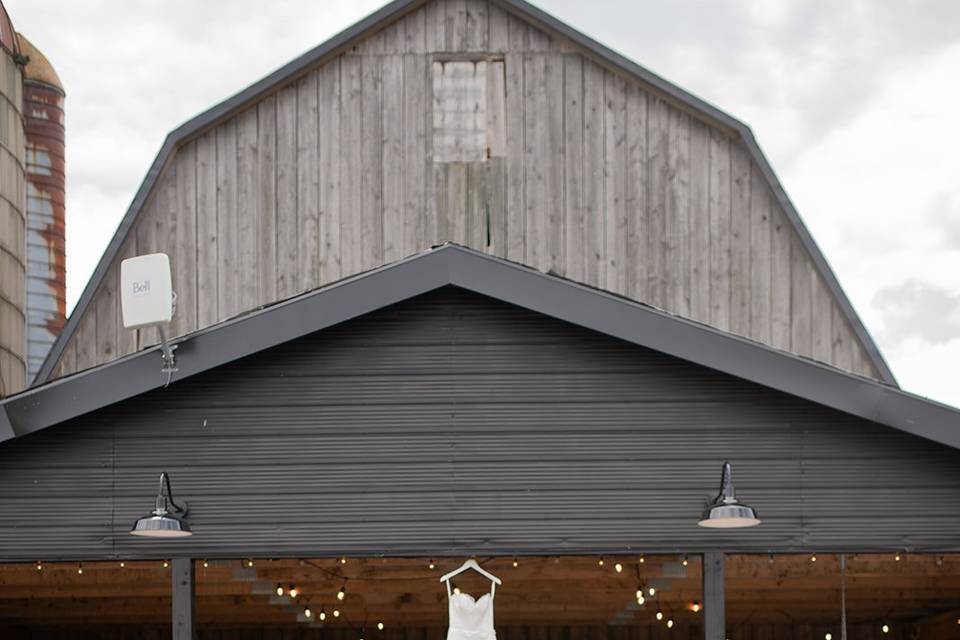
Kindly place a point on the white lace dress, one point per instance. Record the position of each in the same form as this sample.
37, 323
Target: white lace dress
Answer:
471, 619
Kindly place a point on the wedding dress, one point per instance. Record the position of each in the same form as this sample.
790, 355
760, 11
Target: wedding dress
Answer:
471, 618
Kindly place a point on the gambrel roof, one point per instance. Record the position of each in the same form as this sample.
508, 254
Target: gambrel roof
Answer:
452, 265
380, 20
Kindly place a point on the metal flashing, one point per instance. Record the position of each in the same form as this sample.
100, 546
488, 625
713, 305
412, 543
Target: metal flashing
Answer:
106, 384
377, 20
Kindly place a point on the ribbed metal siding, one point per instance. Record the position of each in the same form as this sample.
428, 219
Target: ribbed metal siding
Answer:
456, 424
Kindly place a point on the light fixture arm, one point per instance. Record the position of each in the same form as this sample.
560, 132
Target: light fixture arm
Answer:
165, 503
726, 495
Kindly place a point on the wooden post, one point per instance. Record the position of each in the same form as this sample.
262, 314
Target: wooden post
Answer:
714, 599
182, 582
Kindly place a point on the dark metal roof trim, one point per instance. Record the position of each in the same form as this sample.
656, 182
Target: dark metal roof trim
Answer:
374, 21
66, 398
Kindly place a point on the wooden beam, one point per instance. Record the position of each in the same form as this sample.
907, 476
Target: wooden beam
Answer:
183, 586
714, 619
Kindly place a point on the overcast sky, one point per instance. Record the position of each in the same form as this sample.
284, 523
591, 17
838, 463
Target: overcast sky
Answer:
854, 102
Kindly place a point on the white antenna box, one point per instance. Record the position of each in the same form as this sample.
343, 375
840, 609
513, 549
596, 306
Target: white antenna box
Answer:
146, 291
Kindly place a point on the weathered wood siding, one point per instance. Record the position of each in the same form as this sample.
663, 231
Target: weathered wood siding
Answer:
586, 173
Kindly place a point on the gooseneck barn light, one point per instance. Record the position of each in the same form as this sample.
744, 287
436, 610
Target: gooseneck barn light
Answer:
167, 518
725, 511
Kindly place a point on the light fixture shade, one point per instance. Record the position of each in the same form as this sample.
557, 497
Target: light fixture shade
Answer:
725, 511
166, 519
154, 525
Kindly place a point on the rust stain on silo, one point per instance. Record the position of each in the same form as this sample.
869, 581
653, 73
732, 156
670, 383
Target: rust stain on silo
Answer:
46, 205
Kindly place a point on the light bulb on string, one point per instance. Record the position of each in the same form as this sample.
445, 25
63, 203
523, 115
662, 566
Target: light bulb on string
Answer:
122, 564
322, 616
885, 628
651, 592
813, 558
380, 626
695, 607
431, 565
336, 613
896, 557
249, 563
515, 563
294, 592
770, 559
642, 559
659, 615
685, 562
205, 564
343, 592
279, 589
39, 566
828, 636
307, 613
670, 623
343, 560
618, 567
80, 568
600, 561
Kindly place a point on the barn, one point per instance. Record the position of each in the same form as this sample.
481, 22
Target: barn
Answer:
462, 283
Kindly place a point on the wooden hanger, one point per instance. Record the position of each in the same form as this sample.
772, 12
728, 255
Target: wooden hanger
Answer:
471, 564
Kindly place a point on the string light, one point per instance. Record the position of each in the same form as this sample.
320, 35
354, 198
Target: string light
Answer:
343, 560
897, 557
813, 558
294, 592
80, 568
670, 623
939, 561
685, 561
279, 589
659, 615
165, 564
39, 566
336, 613
600, 561
515, 563
249, 563
205, 564
829, 636
343, 591
307, 613
695, 607
770, 559
885, 628
642, 559
431, 565
618, 567
640, 598
322, 616
651, 592
380, 626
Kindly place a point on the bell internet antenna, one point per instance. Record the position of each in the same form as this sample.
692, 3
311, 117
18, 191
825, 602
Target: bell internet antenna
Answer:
147, 300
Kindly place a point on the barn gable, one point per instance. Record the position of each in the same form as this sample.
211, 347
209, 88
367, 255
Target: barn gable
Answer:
490, 124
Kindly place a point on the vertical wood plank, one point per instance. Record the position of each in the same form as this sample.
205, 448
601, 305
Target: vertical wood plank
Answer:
247, 181
714, 597
395, 36
228, 290
415, 32
593, 168
614, 189
183, 597
573, 145
516, 244
637, 222
126, 338
496, 170
351, 183
761, 266
456, 25
308, 185
477, 23
801, 304
496, 110
843, 347
287, 225
392, 159
551, 151
435, 26
371, 205
105, 308
414, 152
677, 217
699, 228
739, 240
780, 279
534, 135
185, 271
821, 320
265, 222
719, 215
658, 143
497, 31
206, 230
329, 132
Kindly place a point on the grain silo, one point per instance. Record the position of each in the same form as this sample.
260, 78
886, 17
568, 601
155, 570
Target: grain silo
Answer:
13, 370
45, 204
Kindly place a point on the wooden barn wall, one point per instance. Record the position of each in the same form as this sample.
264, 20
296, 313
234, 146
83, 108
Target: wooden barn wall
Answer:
452, 424
600, 181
